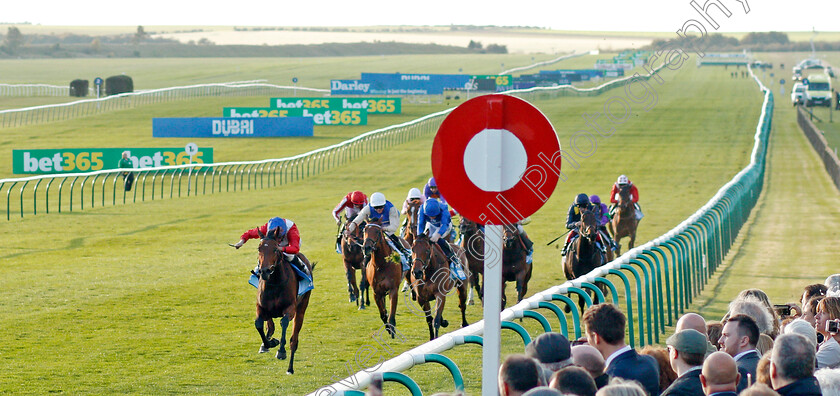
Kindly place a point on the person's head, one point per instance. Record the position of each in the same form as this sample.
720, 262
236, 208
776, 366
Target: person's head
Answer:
125, 154
358, 199
573, 380
764, 344
276, 223
686, 349
596, 200
829, 380
377, 201
691, 320
759, 389
762, 370
792, 359
762, 297
414, 195
811, 291
809, 310
667, 374
739, 334
719, 373
589, 358
755, 309
551, 349
622, 180
432, 185
542, 391
518, 374
713, 330
832, 284
604, 325
582, 200
827, 309
801, 327
620, 387
431, 208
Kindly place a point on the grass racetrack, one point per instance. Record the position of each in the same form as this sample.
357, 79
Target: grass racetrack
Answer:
148, 298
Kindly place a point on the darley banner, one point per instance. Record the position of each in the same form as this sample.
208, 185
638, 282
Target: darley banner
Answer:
48, 161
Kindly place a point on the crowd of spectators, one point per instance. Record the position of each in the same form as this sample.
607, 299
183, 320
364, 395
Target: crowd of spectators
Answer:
756, 349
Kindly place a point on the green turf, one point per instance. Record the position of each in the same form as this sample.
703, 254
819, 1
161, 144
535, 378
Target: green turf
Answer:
148, 298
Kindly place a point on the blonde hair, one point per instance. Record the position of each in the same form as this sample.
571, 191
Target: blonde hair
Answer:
831, 306
620, 387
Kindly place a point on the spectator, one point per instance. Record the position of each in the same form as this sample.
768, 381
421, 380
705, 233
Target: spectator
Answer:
517, 375
542, 391
553, 352
762, 371
832, 284
809, 311
800, 326
605, 326
719, 375
587, 357
756, 310
686, 350
713, 330
620, 387
694, 321
759, 389
764, 344
761, 296
738, 339
792, 366
811, 291
573, 380
829, 380
828, 353
127, 163
667, 375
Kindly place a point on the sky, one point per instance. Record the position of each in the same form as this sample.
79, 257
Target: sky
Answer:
590, 15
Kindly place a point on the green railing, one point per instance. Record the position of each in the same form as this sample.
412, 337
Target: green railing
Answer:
667, 273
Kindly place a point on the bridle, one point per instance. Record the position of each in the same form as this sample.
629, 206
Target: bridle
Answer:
417, 259
268, 271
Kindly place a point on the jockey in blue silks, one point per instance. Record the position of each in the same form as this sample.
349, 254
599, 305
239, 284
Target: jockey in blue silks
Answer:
434, 220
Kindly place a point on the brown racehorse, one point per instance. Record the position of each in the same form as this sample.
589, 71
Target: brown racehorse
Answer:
383, 272
515, 268
353, 256
472, 242
277, 296
431, 280
624, 221
583, 255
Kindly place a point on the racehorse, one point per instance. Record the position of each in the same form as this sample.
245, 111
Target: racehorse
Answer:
584, 255
383, 272
431, 280
624, 222
277, 296
515, 267
353, 256
472, 242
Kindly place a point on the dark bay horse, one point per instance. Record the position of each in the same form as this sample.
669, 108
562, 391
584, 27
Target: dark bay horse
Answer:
472, 242
584, 255
411, 227
353, 256
515, 267
383, 272
277, 296
431, 280
623, 222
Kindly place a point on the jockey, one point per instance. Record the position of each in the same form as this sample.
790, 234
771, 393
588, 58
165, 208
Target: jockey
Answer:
414, 196
601, 214
529, 245
634, 195
434, 217
573, 218
384, 211
431, 191
288, 238
352, 203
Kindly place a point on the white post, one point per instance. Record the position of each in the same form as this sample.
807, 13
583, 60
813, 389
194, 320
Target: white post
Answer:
491, 352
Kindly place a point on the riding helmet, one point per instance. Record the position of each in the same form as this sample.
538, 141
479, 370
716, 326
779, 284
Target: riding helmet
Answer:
432, 182
582, 199
595, 199
414, 193
377, 199
622, 180
358, 198
431, 207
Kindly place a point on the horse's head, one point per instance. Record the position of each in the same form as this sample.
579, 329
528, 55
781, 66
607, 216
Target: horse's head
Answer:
421, 255
467, 226
373, 236
624, 195
511, 237
589, 224
269, 254
355, 238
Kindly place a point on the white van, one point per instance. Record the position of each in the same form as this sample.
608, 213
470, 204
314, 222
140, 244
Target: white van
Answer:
797, 94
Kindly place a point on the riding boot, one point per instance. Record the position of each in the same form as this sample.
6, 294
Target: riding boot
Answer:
338, 244
529, 245
565, 247
455, 267
299, 265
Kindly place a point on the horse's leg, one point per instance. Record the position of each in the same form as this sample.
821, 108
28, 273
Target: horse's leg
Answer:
427, 309
462, 303
522, 283
300, 311
392, 317
632, 235
504, 297
270, 331
440, 302
284, 323
351, 282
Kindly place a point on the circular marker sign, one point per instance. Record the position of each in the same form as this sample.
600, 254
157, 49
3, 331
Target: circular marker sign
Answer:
782, 81
294, 80
496, 159
191, 149
97, 81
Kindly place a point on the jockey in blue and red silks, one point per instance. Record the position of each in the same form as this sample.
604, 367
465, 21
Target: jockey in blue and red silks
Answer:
288, 238
634, 196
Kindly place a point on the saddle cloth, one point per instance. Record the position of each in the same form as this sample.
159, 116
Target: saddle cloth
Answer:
304, 285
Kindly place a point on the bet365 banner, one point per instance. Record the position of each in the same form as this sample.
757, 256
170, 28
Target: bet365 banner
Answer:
232, 127
328, 116
48, 161
373, 105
